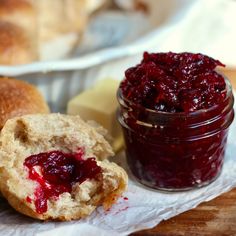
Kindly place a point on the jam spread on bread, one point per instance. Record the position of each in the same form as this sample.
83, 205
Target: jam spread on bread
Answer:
175, 82
56, 172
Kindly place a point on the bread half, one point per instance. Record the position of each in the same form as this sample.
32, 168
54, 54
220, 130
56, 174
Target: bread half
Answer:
52, 167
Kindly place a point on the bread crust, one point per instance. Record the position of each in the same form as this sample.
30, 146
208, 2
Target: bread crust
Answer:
18, 37
8, 6
19, 98
16, 47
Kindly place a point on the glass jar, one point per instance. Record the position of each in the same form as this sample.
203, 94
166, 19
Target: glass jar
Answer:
175, 151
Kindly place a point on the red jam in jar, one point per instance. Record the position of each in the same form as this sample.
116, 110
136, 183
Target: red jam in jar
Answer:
175, 111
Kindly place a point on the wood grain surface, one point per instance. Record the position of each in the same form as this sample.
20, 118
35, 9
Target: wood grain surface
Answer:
216, 217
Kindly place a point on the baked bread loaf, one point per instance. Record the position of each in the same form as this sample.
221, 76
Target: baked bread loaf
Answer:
40, 29
19, 98
54, 167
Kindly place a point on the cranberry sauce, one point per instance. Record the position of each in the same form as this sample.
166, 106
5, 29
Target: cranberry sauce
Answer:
174, 82
56, 172
175, 111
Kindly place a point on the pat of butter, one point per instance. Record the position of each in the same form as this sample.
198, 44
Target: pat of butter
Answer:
100, 104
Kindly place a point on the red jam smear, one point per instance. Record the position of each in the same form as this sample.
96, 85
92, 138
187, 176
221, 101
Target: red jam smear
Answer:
175, 82
173, 141
28, 199
56, 172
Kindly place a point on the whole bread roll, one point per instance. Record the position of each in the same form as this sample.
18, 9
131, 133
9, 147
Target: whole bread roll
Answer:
19, 98
52, 167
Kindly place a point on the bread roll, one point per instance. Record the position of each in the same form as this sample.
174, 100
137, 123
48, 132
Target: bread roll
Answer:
18, 32
16, 46
60, 24
23, 139
41, 29
59, 17
19, 98
19, 12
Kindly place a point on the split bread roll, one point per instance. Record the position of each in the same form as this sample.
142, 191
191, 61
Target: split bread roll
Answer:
39, 157
41, 29
19, 98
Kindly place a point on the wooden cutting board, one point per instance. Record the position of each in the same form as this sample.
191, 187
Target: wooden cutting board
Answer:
217, 217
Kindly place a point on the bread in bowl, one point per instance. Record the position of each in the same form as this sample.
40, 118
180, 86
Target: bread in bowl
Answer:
39, 30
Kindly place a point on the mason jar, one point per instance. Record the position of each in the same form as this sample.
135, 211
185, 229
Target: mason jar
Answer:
175, 151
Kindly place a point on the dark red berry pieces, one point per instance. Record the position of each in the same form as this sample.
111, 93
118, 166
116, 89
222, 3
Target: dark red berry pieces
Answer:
56, 172
175, 82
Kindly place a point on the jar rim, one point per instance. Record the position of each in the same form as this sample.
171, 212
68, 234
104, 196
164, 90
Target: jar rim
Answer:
178, 114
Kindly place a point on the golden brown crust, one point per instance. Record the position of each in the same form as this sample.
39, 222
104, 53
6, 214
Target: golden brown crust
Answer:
18, 32
15, 46
19, 98
9, 6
